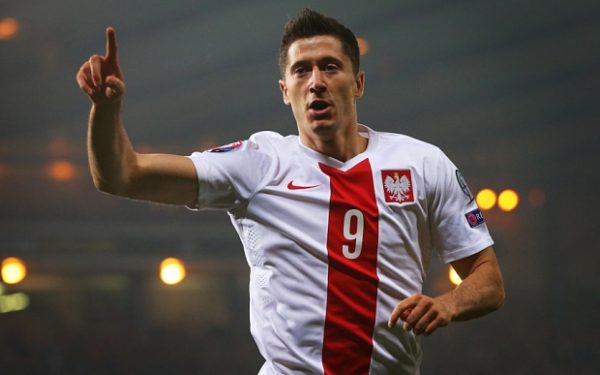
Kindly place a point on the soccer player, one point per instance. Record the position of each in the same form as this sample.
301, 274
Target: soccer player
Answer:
338, 223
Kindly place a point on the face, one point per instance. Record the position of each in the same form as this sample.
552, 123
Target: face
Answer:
321, 88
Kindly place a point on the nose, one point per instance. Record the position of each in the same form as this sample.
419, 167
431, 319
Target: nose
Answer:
317, 84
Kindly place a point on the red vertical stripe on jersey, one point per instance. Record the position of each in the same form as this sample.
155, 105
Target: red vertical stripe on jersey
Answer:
352, 278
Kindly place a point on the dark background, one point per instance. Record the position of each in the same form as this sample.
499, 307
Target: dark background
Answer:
509, 89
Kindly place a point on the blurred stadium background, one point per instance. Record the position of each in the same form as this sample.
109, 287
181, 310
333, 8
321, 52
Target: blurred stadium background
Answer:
509, 89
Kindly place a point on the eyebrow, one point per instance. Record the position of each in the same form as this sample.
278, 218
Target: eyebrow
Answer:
324, 60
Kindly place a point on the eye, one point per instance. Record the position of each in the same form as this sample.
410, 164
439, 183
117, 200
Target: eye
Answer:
332, 67
299, 71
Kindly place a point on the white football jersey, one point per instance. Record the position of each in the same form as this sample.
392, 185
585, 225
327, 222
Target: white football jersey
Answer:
334, 246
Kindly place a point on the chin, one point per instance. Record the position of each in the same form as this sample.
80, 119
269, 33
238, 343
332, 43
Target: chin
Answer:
324, 130
322, 125
325, 121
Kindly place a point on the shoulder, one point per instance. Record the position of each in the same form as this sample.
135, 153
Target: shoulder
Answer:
426, 160
416, 148
266, 136
270, 140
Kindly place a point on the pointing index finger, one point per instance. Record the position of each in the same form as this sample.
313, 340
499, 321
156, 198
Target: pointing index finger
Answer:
111, 44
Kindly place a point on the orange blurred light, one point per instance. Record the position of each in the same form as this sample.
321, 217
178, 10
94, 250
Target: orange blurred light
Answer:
3, 169
59, 147
536, 197
13, 270
453, 276
486, 199
508, 200
363, 46
62, 170
8, 28
172, 271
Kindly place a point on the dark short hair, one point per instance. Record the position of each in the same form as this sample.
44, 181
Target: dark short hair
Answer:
310, 23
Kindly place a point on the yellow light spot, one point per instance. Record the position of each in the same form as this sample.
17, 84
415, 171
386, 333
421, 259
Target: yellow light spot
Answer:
363, 46
13, 302
8, 28
453, 276
486, 199
508, 200
172, 271
62, 170
13, 270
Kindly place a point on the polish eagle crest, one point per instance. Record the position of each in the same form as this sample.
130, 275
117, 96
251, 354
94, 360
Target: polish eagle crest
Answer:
398, 187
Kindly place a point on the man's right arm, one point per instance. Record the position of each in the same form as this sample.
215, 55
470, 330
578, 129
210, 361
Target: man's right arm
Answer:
115, 166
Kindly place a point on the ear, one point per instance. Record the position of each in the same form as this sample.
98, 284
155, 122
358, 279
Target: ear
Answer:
360, 84
283, 89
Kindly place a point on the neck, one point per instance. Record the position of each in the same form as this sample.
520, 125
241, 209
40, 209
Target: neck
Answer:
342, 147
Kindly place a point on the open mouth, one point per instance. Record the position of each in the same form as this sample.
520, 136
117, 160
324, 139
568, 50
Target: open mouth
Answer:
319, 105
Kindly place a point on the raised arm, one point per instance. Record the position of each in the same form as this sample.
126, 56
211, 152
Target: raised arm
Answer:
115, 166
481, 292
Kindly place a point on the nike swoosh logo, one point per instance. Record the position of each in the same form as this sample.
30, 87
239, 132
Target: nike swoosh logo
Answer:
291, 186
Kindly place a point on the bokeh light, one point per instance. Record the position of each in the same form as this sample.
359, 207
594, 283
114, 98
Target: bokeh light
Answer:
60, 147
508, 200
8, 28
13, 302
3, 169
13, 270
172, 271
62, 170
363, 46
536, 197
486, 199
453, 276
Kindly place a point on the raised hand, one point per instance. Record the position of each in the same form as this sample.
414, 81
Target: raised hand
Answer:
100, 77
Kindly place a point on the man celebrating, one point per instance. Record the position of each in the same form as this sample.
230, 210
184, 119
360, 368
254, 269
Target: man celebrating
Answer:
338, 223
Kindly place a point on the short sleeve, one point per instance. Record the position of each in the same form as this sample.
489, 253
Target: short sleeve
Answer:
457, 226
229, 175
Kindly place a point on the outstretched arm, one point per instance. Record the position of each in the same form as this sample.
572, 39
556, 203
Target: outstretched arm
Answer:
115, 166
481, 292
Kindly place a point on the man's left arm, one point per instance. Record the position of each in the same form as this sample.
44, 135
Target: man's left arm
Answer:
481, 292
